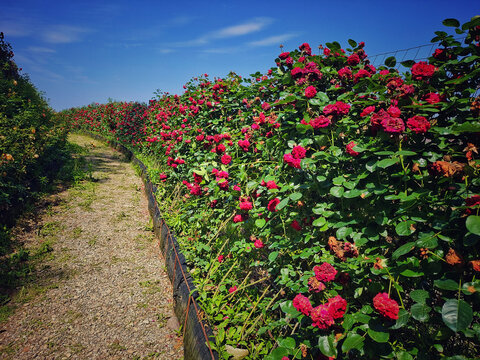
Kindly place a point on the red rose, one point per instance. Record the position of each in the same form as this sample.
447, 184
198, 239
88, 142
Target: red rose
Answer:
353, 60
310, 92
349, 149
272, 204
422, 71
362, 73
258, 244
325, 272
305, 47
393, 125
291, 161
226, 159
284, 55
271, 185
337, 306
368, 110
245, 204
302, 304
321, 317
299, 152
418, 124
295, 225
345, 73
394, 111
432, 98
386, 306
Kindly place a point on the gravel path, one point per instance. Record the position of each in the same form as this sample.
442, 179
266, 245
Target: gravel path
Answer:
99, 290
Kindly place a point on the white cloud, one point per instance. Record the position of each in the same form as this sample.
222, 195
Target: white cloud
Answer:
248, 27
272, 40
41, 50
63, 34
242, 29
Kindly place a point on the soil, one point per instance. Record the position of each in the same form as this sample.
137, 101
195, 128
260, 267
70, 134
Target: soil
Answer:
98, 288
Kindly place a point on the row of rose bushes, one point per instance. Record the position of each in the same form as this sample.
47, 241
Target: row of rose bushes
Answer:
30, 138
327, 208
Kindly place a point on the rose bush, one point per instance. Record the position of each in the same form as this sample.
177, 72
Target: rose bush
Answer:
31, 140
365, 243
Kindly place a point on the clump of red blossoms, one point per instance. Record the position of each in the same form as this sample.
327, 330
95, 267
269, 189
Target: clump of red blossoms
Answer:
337, 306
386, 306
393, 125
272, 204
337, 109
245, 204
299, 152
321, 317
226, 159
422, 71
318, 122
325, 272
302, 304
418, 124
310, 92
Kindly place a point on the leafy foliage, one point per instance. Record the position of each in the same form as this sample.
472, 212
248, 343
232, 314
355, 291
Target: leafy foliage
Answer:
325, 163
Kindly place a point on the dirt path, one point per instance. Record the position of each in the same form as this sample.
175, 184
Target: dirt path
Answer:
99, 289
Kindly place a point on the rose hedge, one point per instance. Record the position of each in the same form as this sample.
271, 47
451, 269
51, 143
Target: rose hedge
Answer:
328, 209
31, 141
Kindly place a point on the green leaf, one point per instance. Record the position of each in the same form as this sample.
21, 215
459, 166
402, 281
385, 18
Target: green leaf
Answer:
411, 273
352, 43
446, 284
288, 308
260, 223
378, 336
405, 228
419, 296
272, 256
282, 203
377, 331
473, 224
471, 24
353, 341
279, 353
386, 163
420, 312
319, 222
337, 191
295, 196
457, 314
451, 22
326, 345
404, 249
403, 355
391, 61
315, 102
466, 127
288, 343
322, 97
408, 63
402, 320
428, 241
343, 232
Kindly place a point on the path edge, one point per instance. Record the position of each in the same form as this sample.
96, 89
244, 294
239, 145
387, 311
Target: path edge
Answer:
197, 332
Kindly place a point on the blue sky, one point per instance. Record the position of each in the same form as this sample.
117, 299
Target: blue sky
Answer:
79, 52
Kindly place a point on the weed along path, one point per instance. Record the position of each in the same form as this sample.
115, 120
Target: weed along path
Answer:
97, 289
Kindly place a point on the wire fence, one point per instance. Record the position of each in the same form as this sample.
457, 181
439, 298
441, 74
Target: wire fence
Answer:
415, 53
